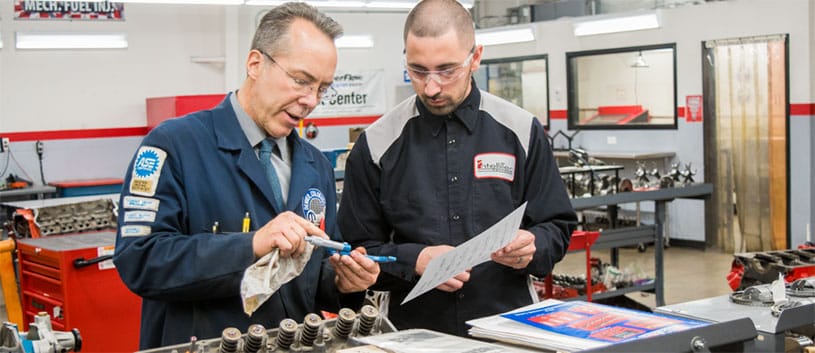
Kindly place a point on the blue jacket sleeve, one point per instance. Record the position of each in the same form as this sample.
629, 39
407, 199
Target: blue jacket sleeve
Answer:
172, 262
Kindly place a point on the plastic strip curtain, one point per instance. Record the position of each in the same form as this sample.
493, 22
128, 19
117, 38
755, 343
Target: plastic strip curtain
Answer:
749, 77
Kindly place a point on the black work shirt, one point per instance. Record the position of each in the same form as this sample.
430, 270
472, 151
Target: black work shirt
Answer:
414, 180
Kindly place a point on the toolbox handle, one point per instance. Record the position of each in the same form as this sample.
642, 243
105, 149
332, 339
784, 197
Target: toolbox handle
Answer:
81, 262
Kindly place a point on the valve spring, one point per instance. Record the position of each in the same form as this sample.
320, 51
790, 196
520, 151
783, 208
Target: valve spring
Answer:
285, 333
368, 315
311, 327
345, 323
229, 340
254, 338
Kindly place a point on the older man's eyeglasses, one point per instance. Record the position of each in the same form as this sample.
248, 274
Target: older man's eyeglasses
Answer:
442, 77
303, 85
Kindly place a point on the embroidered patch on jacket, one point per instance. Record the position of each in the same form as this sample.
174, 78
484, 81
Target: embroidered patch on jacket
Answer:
135, 231
314, 206
147, 170
494, 165
140, 216
141, 203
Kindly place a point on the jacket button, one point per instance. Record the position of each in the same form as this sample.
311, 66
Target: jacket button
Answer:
453, 179
455, 217
451, 141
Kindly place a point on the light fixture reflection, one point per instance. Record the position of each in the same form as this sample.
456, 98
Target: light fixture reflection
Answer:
616, 24
70, 40
504, 36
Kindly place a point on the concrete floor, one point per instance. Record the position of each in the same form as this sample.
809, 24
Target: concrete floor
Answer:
689, 274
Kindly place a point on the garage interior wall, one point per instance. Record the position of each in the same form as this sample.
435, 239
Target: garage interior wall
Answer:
48, 90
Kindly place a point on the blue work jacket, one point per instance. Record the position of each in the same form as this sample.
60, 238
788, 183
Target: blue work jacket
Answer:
188, 174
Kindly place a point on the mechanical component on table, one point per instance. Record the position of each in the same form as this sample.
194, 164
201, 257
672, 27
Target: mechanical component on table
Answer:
345, 323
804, 287
69, 218
255, 338
578, 157
674, 173
285, 333
40, 338
779, 307
642, 176
749, 269
313, 335
230, 337
687, 174
666, 182
367, 315
312, 325
753, 296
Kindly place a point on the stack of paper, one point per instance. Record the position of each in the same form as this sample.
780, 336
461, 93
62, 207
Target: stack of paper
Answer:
575, 326
427, 341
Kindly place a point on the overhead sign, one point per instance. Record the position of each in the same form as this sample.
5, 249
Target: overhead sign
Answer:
68, 10
359, 93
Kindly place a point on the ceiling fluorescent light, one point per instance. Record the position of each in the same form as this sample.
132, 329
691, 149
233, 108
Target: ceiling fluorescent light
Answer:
355, 41
70, 40
336, 3
404, 5
504, 36
616, 24
367, 4
185, 2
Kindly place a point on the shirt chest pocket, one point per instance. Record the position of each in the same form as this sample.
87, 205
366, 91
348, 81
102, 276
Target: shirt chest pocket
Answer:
492, 200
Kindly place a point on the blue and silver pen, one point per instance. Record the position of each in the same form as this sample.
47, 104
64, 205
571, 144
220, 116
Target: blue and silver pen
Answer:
344, 248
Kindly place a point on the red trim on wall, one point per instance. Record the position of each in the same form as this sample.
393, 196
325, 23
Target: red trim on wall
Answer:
805, 109
797, 109
558, 114
346, 120
74, 134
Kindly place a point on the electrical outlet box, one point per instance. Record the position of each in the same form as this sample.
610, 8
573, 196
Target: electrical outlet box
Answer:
39, 147
5, 145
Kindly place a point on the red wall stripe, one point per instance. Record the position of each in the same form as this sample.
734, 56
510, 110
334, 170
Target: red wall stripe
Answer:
802, 109
797, 109
558, 114
347, 120
75, 134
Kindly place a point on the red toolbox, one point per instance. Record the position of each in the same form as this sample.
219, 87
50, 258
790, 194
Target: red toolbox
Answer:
72, 278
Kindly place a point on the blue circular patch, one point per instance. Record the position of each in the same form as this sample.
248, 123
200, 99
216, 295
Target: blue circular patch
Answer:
146, 163
314, 206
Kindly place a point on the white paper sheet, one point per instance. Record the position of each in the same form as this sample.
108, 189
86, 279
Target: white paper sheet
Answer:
473, 252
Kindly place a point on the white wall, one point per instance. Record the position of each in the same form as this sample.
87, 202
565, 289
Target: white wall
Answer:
88, 89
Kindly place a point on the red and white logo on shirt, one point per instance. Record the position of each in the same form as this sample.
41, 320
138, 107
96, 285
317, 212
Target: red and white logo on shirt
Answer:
495, 166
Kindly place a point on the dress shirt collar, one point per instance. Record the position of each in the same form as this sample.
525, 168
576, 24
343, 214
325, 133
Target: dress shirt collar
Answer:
466, 112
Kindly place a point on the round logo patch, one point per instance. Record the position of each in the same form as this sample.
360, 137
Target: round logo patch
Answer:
147, 163
314, 206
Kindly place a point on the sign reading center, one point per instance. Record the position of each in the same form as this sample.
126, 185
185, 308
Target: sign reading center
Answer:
359, 93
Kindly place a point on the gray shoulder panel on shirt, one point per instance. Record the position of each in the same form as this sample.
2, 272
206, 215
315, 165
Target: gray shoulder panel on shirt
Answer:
510, 115
384, 132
